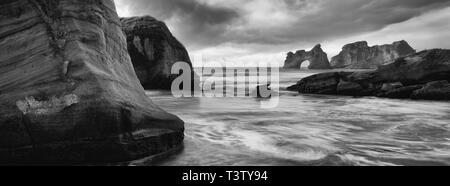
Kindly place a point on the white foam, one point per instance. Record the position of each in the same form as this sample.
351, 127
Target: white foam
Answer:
259, 142
362, 161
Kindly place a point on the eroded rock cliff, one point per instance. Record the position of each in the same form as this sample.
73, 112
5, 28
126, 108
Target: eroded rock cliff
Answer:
153, 50
68, 91
317, 57
360, 56
424, 75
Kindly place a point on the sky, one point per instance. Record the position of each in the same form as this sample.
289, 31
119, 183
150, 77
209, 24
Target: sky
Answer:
251, 31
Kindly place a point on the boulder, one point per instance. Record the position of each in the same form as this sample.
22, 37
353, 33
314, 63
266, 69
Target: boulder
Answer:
420, 68
68, 91
263, 91
317, 57
437, 90
360, 56
153, 51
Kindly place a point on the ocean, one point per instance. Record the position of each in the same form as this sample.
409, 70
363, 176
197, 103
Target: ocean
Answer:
308, 130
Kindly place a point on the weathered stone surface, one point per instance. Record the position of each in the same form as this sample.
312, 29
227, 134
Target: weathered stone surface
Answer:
349, 88
437, 90
317, 57
68, 91
386, 87
396, 80
401, 93
420, 68
360, 56
153, 50
325, 83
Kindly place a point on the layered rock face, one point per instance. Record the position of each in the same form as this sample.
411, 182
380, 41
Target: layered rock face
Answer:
360, 56
153, 51
68, 91
424, 75
317, 57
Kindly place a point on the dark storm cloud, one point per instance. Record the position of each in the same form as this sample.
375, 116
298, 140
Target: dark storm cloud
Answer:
194, 21
203, 24
184, 9
334, 19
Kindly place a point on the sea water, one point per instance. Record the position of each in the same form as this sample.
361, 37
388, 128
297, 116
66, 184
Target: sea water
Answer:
309, 130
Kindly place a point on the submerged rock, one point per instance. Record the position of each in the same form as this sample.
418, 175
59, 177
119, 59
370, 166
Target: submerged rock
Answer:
68, 91
263, 91
317, 57
404, 78
360, 56
420, 68
153, 51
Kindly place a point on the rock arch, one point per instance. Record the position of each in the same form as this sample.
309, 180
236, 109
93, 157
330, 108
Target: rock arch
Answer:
317, 57
305, 64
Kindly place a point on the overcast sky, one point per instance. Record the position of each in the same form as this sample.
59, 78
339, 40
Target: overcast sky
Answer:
265, 30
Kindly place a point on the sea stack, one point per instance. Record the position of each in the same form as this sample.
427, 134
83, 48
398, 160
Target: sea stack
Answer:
360, 56
153, 51
68, 91
424, 75
317, 57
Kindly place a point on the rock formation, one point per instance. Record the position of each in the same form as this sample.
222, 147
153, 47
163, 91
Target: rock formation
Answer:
436, 90
317, 57
153, 51
424, 75
68, 91
360, 56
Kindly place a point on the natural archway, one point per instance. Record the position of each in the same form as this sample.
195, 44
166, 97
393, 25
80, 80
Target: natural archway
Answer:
317, 57
305, 65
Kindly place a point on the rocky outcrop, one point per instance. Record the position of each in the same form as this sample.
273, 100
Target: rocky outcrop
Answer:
153, 51
437, 90
263, 91
68, 91
349, 88
360, 56
401, 92
424, 75
325, 83
317, 57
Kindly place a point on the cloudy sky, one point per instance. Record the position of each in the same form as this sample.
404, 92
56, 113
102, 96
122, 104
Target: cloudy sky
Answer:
265, 30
